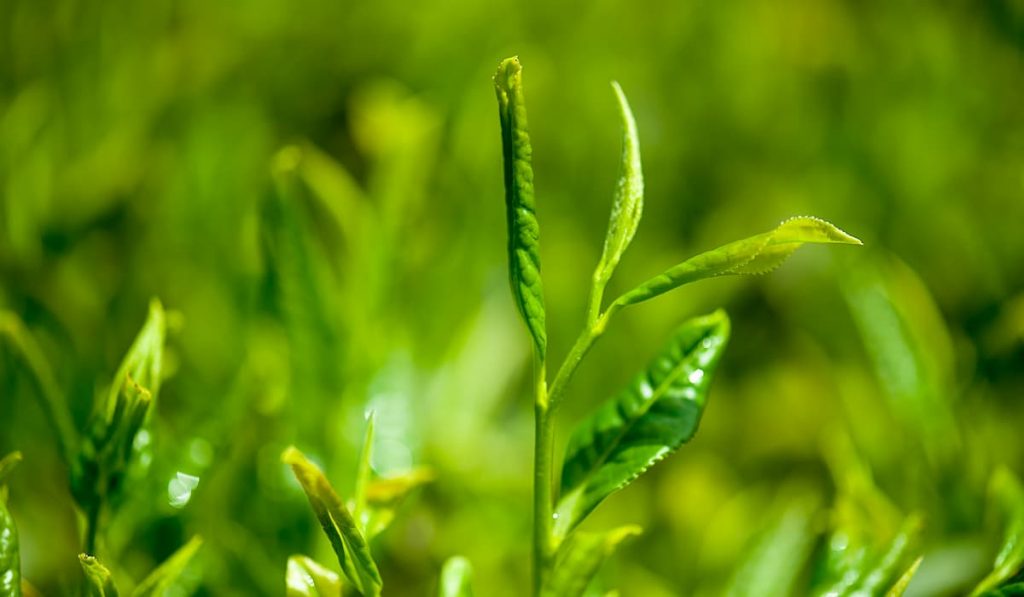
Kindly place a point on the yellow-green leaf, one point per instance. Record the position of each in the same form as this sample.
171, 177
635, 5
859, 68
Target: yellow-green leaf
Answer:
652, 417
341, 529
755, 255
98, 582
579, 559
308, 578
456, 578
1008, 493
523, 229
900, 586
628, 202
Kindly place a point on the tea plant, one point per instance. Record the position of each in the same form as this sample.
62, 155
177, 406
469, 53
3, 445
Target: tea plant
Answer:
661, 408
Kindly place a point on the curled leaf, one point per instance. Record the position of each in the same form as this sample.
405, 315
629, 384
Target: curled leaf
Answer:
523, 229
306, 577
341, 529
579, 559
651, 418
628, 203
755, 255
98, 582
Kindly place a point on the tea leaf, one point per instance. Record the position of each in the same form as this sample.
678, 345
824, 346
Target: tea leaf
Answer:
7, 464
308, 578
900, 587
775, 559
1012, 590
348, 542
163, 577
628, 203
755, 255
456, 578
523, 229
385, 495
859, 568
10, 554
656, 414
579, 559
363, 474
1009, 495
98, 582
143, 362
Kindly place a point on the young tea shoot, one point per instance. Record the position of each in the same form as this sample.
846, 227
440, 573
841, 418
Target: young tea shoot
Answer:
661, 409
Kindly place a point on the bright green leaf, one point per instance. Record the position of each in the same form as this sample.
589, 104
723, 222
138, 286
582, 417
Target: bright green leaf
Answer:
628, 203
778, 555
456, 578
385, 495
348, 542
98, 582
363, 475
143, 363
10, 551
163, 577
900, 586
755, 255
308, 578
657, 413
1009, 495
523, 229
579, 559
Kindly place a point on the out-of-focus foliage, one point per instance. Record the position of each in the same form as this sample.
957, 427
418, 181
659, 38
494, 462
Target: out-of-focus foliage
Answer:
314, 191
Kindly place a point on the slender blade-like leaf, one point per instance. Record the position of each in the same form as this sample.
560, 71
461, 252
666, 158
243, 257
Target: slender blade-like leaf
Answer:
628, 203
1011, 590
363, 474
305, 577
348, 542
656, 414
98, 582
523, 229
1009, 495
900, 586
456, 578
579, 559
755, 255
163, 577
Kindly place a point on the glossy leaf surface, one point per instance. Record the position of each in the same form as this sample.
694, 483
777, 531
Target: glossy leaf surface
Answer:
579, 559
98, 582
305, 577
652, 417
456, 578
163, 577
628, 202
755, 255
523, 229
346, 539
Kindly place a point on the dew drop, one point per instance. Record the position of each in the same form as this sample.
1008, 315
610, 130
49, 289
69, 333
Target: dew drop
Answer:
696, 376
179, 489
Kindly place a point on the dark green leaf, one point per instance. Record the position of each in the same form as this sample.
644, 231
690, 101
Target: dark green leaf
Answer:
523, 229
755, 255
98, 582
165, 574
579, 559
656, 414
1011, 590
628, 203
7, 464
456, 578
348, 542
307, 578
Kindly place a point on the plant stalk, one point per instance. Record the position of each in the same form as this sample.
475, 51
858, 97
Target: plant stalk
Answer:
543, 444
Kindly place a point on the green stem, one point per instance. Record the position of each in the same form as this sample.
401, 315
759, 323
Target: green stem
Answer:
544, 432
92, 521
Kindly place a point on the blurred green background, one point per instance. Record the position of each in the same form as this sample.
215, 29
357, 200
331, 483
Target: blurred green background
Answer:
314, 190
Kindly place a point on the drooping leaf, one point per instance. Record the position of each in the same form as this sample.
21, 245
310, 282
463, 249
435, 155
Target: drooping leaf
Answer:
308, 578
900, 586
755, 255
163, 577
777, 556
1008, 493
348, 542
523, 229
579, 559
652, 417
628, 203
98, 582
456, 578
